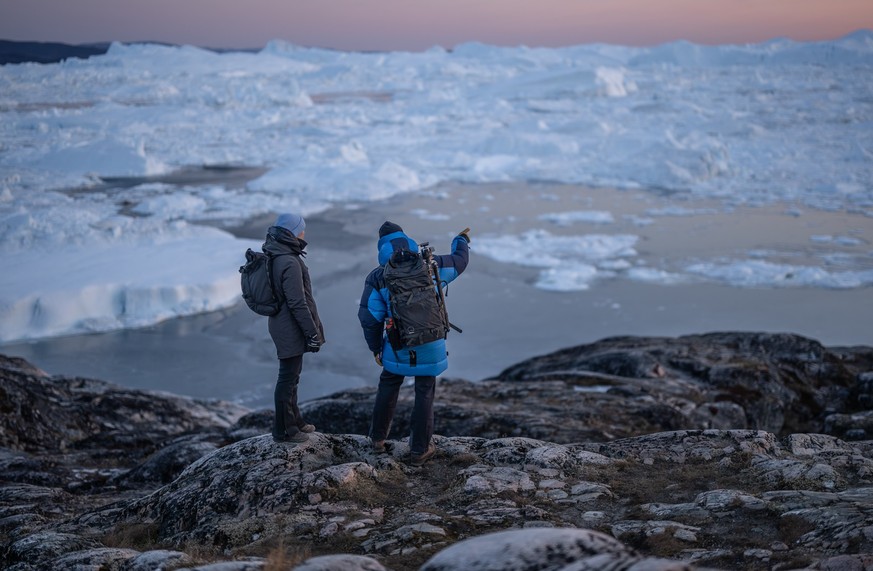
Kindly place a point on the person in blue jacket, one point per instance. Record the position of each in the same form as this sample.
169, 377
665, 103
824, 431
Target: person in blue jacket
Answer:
431, 358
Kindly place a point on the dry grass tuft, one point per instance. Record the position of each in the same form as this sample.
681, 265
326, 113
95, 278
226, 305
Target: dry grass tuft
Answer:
792, 528
282, 558
464, 460
139, 536
672, 483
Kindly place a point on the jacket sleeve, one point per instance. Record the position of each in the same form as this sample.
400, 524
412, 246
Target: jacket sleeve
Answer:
295, 298
372, 313
452, 265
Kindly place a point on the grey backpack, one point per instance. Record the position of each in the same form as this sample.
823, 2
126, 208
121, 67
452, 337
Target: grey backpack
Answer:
417, 307
256, 280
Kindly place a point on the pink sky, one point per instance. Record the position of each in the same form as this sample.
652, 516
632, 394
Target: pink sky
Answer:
420, 24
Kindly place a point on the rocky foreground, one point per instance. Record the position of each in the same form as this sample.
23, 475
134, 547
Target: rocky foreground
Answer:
723, 451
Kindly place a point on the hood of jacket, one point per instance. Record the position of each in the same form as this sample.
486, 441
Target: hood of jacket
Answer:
282, 241
389, 243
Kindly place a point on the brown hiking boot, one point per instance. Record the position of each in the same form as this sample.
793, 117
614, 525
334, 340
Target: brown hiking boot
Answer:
306, 428
420, 459
378, 446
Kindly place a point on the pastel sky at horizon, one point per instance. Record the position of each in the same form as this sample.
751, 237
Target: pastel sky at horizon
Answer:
418, 25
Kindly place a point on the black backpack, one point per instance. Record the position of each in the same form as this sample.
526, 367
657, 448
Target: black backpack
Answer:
417, 305
256, 280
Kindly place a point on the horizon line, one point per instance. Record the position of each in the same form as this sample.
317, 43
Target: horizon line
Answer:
107, 43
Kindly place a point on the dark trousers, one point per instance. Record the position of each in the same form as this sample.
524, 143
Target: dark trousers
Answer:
422, 411
287, 420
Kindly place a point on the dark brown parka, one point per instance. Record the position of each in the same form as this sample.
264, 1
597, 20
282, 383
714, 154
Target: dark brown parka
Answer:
298, 319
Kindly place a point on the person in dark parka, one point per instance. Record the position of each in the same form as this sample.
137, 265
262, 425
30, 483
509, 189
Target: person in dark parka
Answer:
431, 358
296, 329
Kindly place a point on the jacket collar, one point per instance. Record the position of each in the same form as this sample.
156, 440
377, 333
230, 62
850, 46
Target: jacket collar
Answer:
281, 240
395, 241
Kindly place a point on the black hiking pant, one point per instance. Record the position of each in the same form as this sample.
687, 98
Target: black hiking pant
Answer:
287, 421
421, 425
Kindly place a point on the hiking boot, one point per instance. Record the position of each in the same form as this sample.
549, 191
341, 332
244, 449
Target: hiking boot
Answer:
378, 446
306, 428
420, 459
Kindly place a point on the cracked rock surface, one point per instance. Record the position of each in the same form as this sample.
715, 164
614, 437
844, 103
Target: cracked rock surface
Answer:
547, 476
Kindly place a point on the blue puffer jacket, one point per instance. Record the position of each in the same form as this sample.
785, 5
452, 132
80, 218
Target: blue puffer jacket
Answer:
431, 358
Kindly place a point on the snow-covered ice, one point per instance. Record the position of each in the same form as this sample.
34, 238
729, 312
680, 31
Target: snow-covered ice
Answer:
570, 218
744, 124
761, 273
569, 262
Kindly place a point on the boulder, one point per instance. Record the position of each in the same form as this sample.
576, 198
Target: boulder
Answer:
42, 413
784, 383
544, 549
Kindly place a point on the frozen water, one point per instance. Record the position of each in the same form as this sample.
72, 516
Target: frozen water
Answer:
748, 124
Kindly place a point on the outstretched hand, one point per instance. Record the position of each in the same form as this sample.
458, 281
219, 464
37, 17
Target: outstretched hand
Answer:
465, 234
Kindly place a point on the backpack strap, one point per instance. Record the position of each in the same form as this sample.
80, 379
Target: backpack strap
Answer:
269, 266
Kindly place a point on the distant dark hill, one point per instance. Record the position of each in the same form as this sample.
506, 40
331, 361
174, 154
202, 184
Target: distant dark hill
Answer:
46, 52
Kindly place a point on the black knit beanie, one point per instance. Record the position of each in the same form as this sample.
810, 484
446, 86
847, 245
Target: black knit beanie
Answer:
389, 228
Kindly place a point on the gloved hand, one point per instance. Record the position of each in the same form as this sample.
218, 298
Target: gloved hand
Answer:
465, 234
378, 357
313, 344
